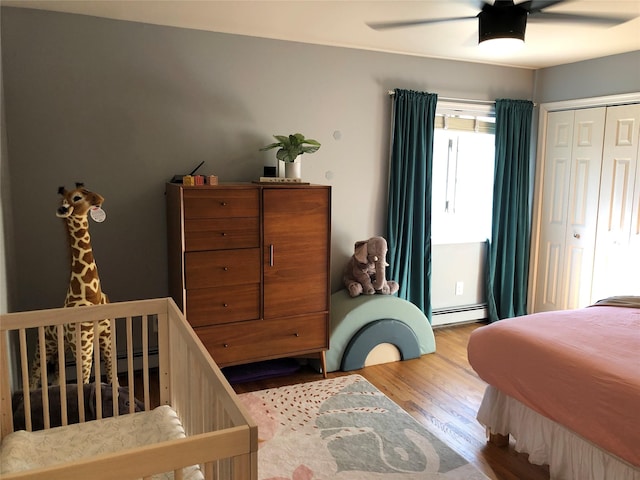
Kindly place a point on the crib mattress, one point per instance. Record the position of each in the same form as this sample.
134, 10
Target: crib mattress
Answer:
24, 450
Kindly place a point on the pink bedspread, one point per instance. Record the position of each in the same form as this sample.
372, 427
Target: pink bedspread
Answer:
580, 368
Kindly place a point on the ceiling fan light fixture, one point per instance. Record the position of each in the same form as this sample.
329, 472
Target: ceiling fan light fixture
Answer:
501, 28
501, 46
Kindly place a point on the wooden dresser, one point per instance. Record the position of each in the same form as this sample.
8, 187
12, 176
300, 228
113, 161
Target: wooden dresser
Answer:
249, 267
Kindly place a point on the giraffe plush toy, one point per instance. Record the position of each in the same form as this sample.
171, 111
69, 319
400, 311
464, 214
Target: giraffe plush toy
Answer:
84, 285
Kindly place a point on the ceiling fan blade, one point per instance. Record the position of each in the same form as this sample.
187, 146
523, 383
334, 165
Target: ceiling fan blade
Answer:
412, 23
579, 18
537, 5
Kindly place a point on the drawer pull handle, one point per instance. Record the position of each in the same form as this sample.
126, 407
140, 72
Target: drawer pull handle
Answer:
224, 204
224, 234
226, 269
297, 334
225, 305
225, 345
271, 255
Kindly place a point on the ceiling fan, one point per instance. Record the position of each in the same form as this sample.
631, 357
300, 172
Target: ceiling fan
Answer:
506, 19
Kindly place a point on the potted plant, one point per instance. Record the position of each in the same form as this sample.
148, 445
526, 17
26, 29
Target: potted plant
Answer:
290, 148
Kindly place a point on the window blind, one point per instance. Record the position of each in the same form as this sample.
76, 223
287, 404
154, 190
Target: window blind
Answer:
465, 123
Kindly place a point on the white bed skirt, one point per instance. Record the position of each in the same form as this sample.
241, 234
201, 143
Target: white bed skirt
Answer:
569, 456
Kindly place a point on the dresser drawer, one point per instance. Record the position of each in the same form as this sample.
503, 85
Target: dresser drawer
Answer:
221, 234
221, 203
214, 306
249, 341
220, 268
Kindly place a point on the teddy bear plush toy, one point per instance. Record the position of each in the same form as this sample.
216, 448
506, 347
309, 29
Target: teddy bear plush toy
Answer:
365, 271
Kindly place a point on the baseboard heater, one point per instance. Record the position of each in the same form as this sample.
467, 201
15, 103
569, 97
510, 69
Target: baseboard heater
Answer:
465, 313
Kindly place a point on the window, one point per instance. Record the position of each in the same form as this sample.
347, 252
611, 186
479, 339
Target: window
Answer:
463, 169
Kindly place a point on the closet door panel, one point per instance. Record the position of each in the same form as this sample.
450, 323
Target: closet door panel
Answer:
586, 164
617, 231
634, 238
556, 180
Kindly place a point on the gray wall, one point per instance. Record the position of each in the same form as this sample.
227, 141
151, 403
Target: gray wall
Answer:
605, 76
123, 106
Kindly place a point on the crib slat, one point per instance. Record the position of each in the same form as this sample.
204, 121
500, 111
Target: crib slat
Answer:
62, 375
226, 469
145, 362
24, 367
43, 376
163, 351
97, 368
79, 380
208, 471
6, 419
114, 368
130, 370
239, 467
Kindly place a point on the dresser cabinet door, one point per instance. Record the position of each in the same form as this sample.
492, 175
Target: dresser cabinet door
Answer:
296, 242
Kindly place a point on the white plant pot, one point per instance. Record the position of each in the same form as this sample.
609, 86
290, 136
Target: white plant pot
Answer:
293, 169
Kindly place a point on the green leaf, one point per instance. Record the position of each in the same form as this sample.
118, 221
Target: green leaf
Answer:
269, 147
309, 149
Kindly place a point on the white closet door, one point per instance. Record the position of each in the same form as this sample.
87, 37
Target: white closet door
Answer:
569, 208
553, 218
582, 214
617, 261
634, 237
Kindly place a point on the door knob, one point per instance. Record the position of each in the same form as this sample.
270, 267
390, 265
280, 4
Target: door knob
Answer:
576, 235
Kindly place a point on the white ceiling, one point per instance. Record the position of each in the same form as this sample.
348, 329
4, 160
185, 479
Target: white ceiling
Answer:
343, 23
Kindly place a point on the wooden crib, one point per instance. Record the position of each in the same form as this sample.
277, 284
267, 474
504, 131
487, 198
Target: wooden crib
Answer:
219, 439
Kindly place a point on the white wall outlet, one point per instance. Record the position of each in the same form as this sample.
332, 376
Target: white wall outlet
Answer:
459, 288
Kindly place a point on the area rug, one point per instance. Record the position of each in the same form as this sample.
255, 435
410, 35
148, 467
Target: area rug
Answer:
345, 428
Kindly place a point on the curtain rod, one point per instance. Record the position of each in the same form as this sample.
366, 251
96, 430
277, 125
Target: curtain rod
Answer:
463, 100
459, 100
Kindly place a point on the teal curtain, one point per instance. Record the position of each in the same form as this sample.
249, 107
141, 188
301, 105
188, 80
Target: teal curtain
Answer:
409, 205
508, 250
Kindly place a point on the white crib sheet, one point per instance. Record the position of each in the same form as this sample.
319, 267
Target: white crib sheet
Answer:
24, 450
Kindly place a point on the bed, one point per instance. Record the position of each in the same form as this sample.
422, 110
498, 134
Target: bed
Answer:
183, 421
566, 386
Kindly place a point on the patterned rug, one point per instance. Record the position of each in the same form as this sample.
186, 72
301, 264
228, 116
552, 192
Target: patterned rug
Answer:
345, 428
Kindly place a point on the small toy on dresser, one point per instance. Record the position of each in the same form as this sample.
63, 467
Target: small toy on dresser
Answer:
194, 180
365, 272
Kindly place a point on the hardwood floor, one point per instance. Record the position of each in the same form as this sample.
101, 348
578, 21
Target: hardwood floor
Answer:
443, 393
